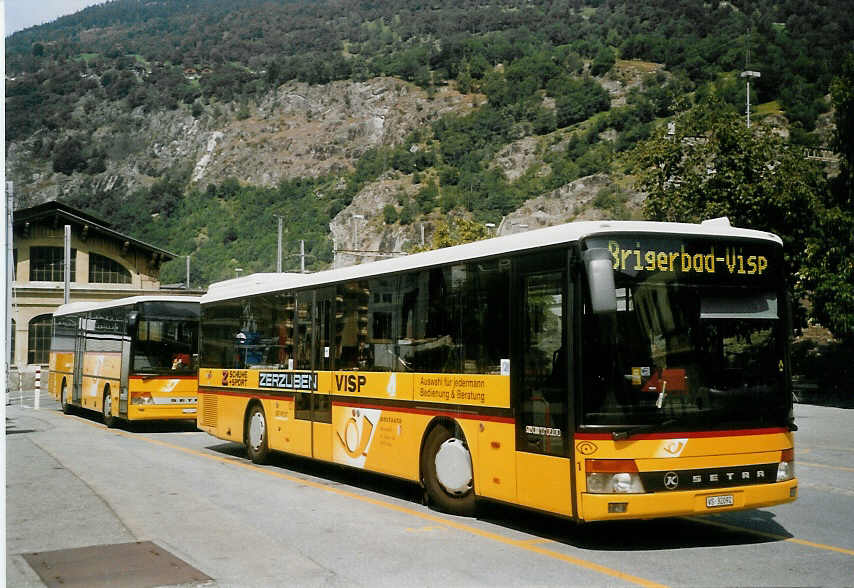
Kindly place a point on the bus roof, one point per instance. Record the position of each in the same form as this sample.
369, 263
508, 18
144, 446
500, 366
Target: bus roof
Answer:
77, 307
263, 283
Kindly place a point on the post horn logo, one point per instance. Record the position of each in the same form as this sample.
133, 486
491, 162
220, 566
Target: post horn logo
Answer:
586, 448
356, 437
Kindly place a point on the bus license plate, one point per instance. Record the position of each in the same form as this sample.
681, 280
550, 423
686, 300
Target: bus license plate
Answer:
715, 501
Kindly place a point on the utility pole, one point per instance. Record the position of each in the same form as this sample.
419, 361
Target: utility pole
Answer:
66, 297
279, 246
188, 273
7, 301
355, 218
9, 265
749, 74
302, 256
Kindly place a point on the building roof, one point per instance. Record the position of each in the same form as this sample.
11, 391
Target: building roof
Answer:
64, 214
515, 243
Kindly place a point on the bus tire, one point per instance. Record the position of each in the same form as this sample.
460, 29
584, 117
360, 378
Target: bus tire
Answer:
447, 472
63, 398
256, 433
107, 408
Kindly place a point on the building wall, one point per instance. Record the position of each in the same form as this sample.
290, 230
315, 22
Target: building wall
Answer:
33, 299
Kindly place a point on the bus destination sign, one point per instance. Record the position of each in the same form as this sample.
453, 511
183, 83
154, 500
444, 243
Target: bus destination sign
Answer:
697, 259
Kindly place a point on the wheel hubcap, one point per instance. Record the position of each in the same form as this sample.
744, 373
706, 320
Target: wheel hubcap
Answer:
256, 430
453, 467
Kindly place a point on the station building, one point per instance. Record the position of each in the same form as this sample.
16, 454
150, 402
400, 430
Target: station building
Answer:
105, 265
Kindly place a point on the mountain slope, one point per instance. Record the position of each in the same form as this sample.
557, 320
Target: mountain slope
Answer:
195, 122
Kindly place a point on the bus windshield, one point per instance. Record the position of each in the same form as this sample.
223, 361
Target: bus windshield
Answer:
166, 339
687, 349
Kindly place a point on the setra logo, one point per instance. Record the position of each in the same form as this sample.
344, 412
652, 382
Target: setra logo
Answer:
671, 480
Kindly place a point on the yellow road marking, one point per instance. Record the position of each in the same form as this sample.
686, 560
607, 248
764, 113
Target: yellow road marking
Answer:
423, 515
822, 465
771, 535
535, 541
527, 545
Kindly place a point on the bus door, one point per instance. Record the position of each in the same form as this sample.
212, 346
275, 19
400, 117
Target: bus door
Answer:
128, 334
321, 411
79, 352
299, 437
540, 378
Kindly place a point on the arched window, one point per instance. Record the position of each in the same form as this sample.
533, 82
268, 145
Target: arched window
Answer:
103, 270
38, 343
47, 264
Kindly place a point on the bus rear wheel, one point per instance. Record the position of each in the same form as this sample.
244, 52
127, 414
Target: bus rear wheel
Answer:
257, 446
107, 406
447, 472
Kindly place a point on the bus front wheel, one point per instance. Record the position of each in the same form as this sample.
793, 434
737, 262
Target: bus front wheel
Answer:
447, 472
63, 398
256, 435
107, 406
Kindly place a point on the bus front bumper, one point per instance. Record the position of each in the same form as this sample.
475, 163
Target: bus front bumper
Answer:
603, 507
153, 412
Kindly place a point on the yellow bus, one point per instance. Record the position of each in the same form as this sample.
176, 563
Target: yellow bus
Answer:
133, 358
594, 370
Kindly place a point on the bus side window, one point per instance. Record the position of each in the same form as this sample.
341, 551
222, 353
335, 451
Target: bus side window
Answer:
352, 351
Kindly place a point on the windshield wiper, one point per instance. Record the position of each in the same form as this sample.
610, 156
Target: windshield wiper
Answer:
622, 435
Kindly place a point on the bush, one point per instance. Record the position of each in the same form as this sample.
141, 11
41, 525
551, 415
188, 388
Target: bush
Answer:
390, 214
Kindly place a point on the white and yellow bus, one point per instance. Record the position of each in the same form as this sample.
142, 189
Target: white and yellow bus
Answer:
595, 370
133, 358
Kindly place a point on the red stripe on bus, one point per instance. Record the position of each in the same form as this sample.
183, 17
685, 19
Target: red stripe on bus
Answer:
429, 412
163, 377
685, 434
247, 394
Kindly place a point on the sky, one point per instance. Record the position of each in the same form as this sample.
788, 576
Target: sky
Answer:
20, 14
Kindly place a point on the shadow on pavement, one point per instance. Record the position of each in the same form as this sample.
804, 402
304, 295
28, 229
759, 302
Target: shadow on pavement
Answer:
733, 528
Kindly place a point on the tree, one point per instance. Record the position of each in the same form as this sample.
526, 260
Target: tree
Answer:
713, 166
456, 231
829, 269
68, 156
604, 61
389, 214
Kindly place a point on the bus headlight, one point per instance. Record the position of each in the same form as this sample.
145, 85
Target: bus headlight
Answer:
613, 476
142, 398
786, 468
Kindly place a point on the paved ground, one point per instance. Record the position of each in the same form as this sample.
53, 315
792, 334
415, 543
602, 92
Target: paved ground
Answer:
328, 528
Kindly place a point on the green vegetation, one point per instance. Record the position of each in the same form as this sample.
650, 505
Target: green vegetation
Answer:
829, 269
712, 165
223, 227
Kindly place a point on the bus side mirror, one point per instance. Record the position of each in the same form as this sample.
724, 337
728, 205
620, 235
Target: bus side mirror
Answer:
600, 274
133, 323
